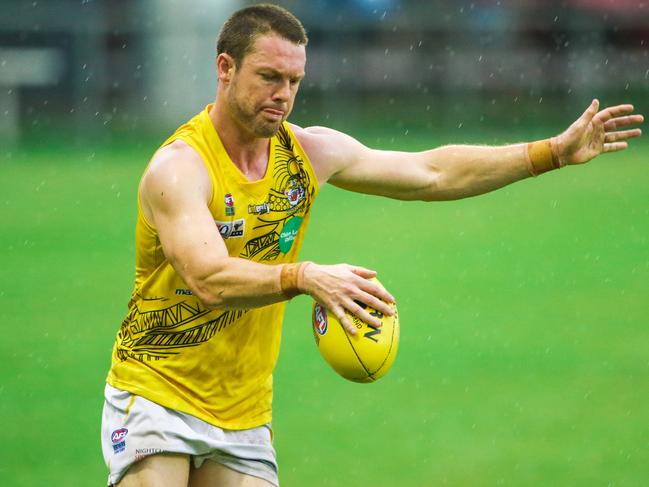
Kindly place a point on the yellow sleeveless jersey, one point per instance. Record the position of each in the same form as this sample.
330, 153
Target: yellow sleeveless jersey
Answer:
216, 364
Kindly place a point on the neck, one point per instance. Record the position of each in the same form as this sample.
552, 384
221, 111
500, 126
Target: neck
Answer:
247, 151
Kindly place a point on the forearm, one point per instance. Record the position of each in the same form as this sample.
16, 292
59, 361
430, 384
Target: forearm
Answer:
235, 283
464, 170
460, 171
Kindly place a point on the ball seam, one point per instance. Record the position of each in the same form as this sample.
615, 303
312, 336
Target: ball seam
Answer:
389, 352
351, 345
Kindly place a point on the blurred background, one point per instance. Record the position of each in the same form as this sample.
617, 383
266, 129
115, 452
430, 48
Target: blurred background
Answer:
130, 65
525, 337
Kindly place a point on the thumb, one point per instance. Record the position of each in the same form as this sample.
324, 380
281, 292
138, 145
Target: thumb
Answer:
590, 112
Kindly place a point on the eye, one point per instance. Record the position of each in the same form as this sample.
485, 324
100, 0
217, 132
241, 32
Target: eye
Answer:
268, 77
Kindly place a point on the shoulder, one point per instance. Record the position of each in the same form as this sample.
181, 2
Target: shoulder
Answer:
329, 150
322, 140
174, 160
176, 173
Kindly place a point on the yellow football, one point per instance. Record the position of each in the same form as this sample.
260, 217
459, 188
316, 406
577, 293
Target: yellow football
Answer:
364, 357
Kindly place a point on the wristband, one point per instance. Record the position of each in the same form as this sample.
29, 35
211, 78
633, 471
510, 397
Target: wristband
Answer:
291, 279
542, 156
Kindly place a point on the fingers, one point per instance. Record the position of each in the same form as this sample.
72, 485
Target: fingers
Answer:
619, 122
612, 112
368, 314
363, 272
380, 305
349, 294
371, 287
374, 289
343, 319
615, 147
362, 312
622, 135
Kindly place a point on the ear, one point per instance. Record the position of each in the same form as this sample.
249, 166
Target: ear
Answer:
225, 67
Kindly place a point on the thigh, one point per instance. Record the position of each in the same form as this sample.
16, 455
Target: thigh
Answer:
212, 474
162, 470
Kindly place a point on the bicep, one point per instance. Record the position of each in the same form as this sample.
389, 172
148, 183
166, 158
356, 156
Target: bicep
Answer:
399, 175
347, 163
176, 197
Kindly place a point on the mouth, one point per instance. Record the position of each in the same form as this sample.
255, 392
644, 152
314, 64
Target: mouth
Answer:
274, 113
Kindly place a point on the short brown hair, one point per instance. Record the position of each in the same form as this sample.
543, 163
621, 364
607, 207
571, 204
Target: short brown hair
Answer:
239, 32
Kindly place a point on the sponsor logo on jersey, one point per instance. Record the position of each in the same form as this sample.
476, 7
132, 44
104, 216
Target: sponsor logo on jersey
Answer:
118, 437
289, 233
259, 209
229, 204
231, 229
320, 319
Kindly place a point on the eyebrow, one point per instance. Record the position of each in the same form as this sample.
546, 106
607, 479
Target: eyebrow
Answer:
280, 73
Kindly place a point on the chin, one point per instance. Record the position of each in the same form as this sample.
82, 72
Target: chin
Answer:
267, 130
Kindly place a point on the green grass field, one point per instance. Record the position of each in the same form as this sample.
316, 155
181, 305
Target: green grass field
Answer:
524, 356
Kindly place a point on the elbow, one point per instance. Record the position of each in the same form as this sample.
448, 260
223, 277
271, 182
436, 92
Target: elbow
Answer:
433, 189
209, 299
209, 293
207, 283
446, 187
446, 177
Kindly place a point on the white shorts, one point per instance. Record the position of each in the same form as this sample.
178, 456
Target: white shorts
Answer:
133, 428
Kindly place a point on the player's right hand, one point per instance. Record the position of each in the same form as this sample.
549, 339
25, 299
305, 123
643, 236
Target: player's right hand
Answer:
341, 287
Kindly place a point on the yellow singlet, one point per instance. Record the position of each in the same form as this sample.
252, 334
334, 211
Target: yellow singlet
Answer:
216, 365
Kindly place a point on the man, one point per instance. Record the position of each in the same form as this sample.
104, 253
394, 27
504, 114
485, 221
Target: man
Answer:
223, 207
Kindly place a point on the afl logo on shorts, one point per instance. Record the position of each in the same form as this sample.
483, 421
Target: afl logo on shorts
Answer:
320, 319
118, 435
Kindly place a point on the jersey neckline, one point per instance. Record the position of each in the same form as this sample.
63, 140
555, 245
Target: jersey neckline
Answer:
229, 164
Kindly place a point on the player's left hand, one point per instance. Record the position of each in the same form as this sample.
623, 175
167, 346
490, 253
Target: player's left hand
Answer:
597, 131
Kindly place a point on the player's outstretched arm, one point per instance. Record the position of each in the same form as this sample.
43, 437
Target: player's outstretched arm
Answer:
174, 194
457, 171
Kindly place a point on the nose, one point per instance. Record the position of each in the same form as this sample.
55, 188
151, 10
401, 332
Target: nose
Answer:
283, 92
